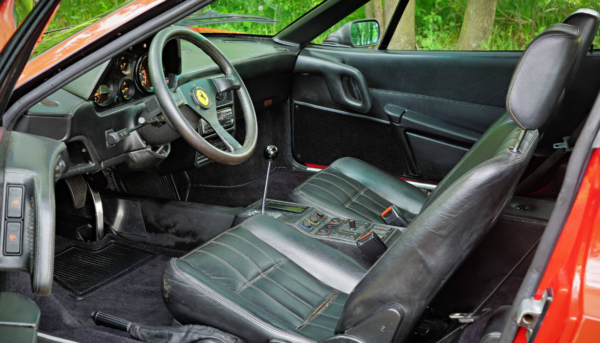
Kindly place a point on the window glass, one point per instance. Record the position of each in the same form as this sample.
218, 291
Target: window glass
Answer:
256, 17
468, 24
73, 16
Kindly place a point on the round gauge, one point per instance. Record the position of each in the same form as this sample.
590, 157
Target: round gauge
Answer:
125, 64
143, 75
127, 89
104, 95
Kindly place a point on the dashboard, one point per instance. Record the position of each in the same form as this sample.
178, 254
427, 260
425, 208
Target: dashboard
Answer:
117, 95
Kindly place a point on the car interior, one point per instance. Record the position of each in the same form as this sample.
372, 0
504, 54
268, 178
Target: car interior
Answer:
230, 188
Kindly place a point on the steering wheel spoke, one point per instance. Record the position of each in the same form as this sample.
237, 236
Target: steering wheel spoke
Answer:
226, 83
232, 144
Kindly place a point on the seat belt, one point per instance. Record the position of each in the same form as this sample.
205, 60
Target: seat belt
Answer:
561, 149
467, 319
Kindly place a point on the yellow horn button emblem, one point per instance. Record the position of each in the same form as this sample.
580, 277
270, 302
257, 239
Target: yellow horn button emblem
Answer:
200, 97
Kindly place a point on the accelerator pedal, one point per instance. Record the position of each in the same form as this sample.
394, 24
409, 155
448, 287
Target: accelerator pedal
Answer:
78, 188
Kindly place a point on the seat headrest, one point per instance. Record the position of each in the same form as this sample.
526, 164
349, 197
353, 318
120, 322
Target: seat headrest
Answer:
587, 21
542, 74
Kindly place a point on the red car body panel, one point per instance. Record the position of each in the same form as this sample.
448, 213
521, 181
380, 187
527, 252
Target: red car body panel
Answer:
573, 271
8, 22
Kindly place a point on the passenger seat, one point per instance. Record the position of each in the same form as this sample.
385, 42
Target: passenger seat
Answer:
351, 188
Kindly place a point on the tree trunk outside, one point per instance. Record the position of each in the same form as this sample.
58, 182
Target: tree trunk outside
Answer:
379, 14
404, 36
369, 10
478, 24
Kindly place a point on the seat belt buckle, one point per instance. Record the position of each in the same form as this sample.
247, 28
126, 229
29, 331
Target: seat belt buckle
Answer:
467, 318
371, 245
564, 144
391, 216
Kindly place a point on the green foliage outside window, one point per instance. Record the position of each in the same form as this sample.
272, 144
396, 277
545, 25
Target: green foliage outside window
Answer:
437, 23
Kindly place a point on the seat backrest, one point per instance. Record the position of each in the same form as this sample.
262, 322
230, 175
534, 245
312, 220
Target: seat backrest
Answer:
587, 21
459, 213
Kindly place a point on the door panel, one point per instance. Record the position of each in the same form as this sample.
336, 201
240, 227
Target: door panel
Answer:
442, 102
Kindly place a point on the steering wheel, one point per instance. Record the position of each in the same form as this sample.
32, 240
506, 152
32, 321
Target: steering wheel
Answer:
200, 95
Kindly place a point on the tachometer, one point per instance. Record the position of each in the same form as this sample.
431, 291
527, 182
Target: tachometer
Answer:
127, 89
143, 75
104, 95
125, 64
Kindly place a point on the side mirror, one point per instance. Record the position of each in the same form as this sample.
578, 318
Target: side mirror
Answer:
358, 34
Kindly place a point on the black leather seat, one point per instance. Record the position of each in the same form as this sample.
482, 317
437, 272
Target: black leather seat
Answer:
355, 189
265, 280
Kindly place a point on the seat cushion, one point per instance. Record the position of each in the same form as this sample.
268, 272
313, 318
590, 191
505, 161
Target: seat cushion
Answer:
242, 284
351, 188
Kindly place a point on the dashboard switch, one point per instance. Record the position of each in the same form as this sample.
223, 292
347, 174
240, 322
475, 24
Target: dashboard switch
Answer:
14, 208
12, 240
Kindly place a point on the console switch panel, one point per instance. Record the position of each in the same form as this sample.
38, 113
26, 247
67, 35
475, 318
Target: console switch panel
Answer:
14, 207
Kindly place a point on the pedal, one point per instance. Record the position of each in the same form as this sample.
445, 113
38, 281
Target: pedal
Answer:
78, 188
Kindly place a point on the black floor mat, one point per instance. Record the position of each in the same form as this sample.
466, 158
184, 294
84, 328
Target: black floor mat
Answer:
81, 272
281, 184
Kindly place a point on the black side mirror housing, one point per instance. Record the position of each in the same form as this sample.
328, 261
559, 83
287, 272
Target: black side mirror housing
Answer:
356, 34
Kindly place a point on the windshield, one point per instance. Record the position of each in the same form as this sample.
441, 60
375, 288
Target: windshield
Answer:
73, 16
255, 17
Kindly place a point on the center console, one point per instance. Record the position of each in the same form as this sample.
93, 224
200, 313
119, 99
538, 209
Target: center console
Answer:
314, 222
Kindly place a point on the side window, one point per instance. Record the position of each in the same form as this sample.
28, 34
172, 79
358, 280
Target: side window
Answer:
467, 24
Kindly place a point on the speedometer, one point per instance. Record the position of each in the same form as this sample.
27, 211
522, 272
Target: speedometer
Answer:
143, 75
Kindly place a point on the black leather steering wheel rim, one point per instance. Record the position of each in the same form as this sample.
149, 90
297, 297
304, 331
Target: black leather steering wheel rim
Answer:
184, 94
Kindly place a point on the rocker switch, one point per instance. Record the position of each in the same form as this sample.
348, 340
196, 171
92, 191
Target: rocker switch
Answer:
14, 208
12, 240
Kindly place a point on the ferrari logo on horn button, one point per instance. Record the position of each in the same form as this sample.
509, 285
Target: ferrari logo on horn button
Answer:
200, 97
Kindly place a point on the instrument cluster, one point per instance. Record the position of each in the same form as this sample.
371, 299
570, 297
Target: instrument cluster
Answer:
127, 76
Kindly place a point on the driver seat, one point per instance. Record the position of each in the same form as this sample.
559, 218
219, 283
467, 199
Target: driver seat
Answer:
265, 280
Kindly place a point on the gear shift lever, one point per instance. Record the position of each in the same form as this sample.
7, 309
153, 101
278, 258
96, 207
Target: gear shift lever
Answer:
271, 152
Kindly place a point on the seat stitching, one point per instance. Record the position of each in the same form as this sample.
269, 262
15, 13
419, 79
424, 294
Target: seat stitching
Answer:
288, 291
300, 282
280, 304
224, 262
326, 315
356, 196
359, 212
341, 178
320, 309
317, 325
252, 244
240, 309
312, 184
336, 186
259, 276
244, 256
367, 207
373, 200
212, 240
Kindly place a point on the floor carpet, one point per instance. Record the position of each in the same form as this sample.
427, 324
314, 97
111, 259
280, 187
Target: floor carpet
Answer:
136, 297
281, 184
